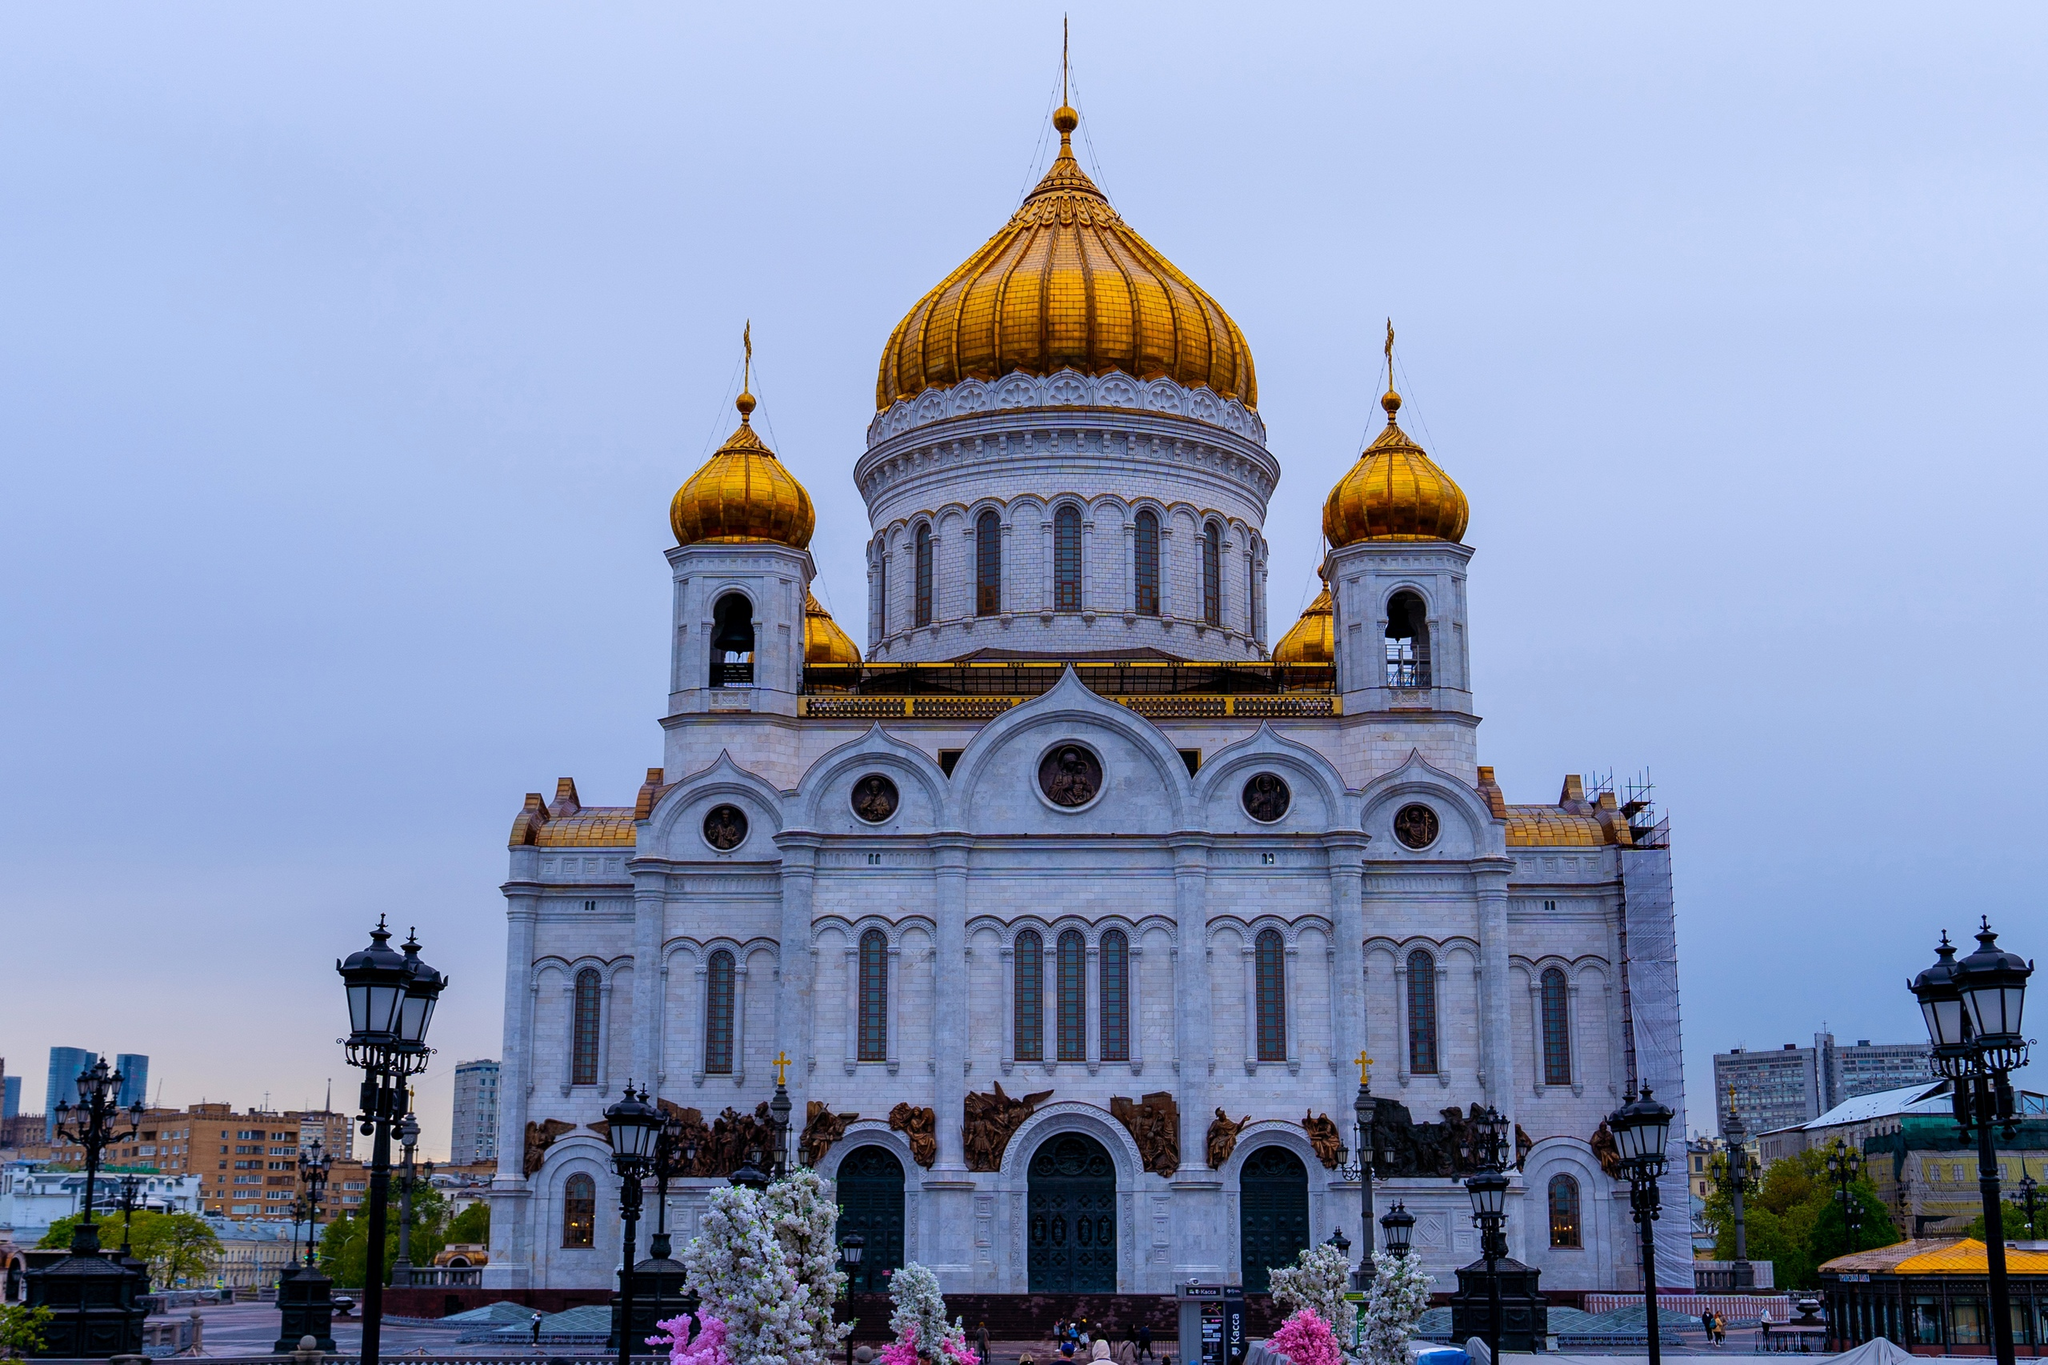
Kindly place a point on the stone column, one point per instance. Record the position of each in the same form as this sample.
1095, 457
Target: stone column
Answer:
1496, 1048
794, 982
949, 1013
649, 905
511, 1238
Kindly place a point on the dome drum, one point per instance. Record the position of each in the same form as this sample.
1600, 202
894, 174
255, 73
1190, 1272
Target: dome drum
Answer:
1067, 389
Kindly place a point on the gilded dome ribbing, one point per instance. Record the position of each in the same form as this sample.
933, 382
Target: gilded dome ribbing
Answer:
1394, 492
743, 493
1066, 285
1312, 639
824, 641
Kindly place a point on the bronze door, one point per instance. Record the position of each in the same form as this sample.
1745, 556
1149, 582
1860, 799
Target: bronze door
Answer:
870, 1188
1073, 1217
1272, 1213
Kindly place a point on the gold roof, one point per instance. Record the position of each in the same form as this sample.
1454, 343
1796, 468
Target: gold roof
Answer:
1312, 639
1936, 1256
743, 493
1066, 285
1394, 492
824, 641
568, 823
1574, 822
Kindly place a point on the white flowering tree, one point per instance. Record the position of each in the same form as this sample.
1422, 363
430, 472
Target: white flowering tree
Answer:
1398, 1299
765, 1266
1317, 1281
919, 1317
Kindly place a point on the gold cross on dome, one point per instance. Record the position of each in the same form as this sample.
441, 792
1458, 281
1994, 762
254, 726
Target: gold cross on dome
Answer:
1364, 1068
781, 1068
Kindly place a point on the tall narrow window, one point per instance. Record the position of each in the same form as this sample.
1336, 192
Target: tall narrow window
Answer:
583, 1064
1421, 1013
1066, 560
1407, 641
874, 997
1212, 574
1557, 1032
1116, 997
1251, 593
924, 575
1564, 1211
1272, 991
882, 592
1073, 966
718, 1002
1145, 551
579, 1211
988, 565
1029, 994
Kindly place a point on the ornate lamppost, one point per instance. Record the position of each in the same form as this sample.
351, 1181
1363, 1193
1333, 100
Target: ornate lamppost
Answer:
1398, 1226
92, 1300
305, 1298
660, 1282
1973, 1010
131, 1184
1513, 1314
391, 1000
2027, 1188
1362, 1109
1737, 1181
1642, 1128
409, 1184
1844, 1164
315, 1166
632, 1124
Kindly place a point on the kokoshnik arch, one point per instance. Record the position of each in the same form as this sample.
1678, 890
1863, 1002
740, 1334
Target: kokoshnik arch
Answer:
1071, 899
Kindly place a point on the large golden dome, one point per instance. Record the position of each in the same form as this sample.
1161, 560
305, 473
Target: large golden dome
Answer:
1312, 639
1066, 285
743, 493
1394, 492
824, 641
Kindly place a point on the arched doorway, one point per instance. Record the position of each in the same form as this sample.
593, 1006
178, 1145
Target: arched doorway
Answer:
1272, 1214
1073, 1217
870, 1187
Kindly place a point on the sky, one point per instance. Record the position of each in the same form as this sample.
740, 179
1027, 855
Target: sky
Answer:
349, 357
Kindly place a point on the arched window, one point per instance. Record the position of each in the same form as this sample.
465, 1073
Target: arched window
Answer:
589, 1011
1029, 992
1115, 991
1251, 593
718, 1003
1145, 550
1271, 980
882, 593
924, 575
1407, 641
1564, 1211
1421, 1013
579, 1211
1212, 574
1066, 560
732, 641
1073, 986
1557, 1032
874, 997
988, 564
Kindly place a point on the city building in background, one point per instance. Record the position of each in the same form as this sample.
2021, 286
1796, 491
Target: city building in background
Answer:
10, 1094
1794, 1085
65, 1065
247, 1163
32, 1198
474, 1136
134, 1069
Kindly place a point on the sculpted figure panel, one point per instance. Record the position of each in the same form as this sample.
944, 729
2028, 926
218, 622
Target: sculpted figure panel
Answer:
921, 1126
1322, 1135
539, 1137
1223, 1137
822, 1128
990, 1122
1154, 1124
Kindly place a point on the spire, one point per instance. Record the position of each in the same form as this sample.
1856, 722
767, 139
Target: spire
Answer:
1391, 401
1064, 118
745, 402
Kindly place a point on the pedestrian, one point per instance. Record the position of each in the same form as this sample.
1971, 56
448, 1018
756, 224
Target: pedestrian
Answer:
1144, 1341
536, 1331
981, 1341
1707, 1323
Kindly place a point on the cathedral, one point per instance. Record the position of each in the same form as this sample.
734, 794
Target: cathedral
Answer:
1067, 907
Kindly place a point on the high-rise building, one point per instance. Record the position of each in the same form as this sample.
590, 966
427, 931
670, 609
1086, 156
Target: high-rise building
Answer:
10, 1095
475, 1135
134, 1069
1798, 1084
65, 1065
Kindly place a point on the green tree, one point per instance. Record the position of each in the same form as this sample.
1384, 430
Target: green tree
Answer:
344, 1245
1794, 1219
21, 1327
2012, 1220
177, 1247
472, 1226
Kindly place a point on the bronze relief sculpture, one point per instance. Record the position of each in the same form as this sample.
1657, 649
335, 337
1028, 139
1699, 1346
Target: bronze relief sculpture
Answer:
874, 798
1070, 776
921, 1126
1606, 1151
1322, 1135
1154, 1124
1223, 1137
1266, 797
541, 1136
822, 1128
991, 1121
725, 828
1416, 825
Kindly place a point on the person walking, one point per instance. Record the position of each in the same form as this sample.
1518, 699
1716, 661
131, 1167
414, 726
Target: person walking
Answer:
1144, 1341
981, 1341
536, 1331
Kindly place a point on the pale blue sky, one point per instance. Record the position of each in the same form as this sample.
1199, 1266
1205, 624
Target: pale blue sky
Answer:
352, 353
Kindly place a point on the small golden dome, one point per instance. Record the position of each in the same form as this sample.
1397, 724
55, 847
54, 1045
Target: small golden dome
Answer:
1394, 492
824, 641
1066, 285
743, 493
1312, 639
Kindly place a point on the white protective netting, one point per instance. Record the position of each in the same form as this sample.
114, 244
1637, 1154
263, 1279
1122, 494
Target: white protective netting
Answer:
1660, 1051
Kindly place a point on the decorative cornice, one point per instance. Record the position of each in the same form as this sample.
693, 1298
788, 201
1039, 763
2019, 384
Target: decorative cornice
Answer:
1066, 389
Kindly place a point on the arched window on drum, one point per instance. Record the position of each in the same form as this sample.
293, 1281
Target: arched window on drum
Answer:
1422, 1059
1028, 992
988, 565
1557, 1032
1564, 1212
1271, 984
874, 996
579, 1211
718, 1011
1115, 994
589, 1018
1145, 568
1212, 574
922, 613
1066, 559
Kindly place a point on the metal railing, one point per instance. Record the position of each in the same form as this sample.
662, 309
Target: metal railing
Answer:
445, 1277
1109, 678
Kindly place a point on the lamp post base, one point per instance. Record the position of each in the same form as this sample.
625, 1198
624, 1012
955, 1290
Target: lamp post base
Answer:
1524, 1315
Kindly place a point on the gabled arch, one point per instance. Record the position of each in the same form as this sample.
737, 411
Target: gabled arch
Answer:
1318, 798
822, 795
1467, 827
673, 829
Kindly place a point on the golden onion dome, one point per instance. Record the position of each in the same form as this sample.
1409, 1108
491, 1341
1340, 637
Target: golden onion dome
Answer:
824, 641
1066, 285
743, 493
1394, 492
1312, 639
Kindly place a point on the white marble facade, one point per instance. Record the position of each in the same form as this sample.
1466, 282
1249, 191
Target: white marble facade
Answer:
975, 853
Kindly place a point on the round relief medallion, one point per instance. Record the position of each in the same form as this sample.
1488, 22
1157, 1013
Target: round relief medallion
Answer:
874, 798
725, 827
1266, 797
1069, 775
1416, 826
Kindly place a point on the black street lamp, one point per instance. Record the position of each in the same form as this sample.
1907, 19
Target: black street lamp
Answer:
1641, 1129
391, 1000
2027, 1188
851, 1248
409, 1184
314, 1168
1399, 1228
90, 1123
92, 1300
633, 1126
1362, 1109
675, 1153
1844, 1164
1973, 1010
1737, 1181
